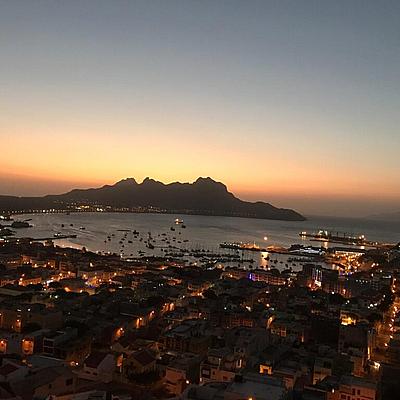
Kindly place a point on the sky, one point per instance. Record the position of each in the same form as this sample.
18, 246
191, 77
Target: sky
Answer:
293, 102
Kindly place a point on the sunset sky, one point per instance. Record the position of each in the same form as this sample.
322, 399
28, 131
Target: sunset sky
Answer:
293, 102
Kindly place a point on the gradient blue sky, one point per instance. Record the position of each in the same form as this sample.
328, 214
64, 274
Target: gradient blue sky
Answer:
296, 102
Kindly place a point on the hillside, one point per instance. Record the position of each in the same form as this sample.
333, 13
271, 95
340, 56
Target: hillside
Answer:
204, 197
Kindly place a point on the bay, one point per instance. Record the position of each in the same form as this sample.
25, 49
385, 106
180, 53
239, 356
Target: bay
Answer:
201, 232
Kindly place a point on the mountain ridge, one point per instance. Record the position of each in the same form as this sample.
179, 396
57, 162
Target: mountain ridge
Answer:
204, 196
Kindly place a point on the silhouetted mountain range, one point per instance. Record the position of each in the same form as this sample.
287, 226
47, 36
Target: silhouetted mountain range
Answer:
203, 197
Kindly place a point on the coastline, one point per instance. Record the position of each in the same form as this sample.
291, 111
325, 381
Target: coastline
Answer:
166, 212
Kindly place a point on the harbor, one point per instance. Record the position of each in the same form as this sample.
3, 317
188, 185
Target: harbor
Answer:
342, 238
195, 240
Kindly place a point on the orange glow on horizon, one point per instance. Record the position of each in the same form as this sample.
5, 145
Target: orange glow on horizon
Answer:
245, 189
89, 158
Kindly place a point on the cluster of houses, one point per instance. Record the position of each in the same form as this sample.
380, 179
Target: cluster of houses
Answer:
79, 325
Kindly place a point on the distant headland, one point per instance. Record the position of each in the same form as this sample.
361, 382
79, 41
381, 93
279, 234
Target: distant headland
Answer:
202, 197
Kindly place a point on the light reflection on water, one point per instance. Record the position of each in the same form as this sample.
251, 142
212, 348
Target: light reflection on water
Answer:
201, 232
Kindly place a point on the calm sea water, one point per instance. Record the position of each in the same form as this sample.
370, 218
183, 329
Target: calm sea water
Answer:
201, 232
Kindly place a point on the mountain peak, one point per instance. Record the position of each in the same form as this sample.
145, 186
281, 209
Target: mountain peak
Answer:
126, 181
205, 196
201, 179
148, 180
210, 183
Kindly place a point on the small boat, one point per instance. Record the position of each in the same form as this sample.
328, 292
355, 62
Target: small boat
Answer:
178, 221
21, 224
6, 232
82, 228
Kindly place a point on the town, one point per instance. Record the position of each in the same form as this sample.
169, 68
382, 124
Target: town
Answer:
199, 200
75, 324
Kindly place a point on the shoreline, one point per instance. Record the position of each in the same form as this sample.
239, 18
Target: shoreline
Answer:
172, 212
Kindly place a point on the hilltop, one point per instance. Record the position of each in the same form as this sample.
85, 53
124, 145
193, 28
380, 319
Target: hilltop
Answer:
203, 197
